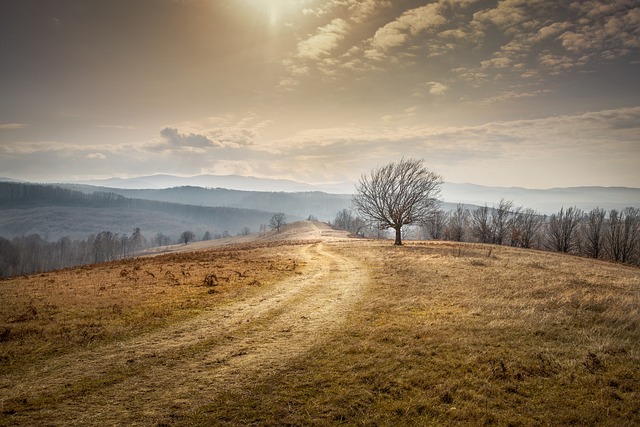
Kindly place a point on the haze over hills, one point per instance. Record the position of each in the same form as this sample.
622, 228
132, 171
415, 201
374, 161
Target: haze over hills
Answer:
54, 211
324, 201
544, 200
231, 182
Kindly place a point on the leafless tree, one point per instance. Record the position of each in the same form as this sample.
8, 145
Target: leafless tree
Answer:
561, 229
525, 225
457, 225
277, 221
398, 194
346, 220
187, 236
481, 224
623, 235
501, 221
436, 224
161, 239
593, 230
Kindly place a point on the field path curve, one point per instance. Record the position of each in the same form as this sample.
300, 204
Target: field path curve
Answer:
145, 379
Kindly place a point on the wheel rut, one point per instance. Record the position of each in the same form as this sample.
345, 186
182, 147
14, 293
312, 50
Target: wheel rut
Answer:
183, 366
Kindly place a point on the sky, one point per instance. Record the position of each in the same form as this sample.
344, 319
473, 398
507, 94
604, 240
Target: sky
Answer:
528, 93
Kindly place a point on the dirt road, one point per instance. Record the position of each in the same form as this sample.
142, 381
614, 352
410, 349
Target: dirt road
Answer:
144, 380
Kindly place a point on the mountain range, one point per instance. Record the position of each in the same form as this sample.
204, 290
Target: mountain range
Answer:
543, 200
326, 199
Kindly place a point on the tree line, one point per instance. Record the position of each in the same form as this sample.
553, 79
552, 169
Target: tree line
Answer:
403, 196
608, 235
33, 254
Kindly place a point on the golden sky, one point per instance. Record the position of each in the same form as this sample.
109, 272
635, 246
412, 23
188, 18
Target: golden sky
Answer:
531, 93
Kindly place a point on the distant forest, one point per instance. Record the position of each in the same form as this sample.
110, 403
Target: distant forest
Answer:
46, 227
301, 204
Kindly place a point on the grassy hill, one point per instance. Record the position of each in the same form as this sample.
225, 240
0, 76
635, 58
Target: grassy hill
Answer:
310, 327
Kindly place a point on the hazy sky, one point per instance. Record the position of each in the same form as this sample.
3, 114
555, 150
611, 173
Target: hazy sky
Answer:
532, 93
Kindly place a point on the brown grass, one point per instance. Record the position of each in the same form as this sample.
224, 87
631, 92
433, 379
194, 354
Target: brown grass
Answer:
443, 334
465, 334
59, 312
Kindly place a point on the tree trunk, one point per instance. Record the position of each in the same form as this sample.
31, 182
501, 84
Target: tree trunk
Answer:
398, 236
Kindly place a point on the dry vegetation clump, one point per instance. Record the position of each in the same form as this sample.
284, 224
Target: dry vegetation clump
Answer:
58, 312
451, 334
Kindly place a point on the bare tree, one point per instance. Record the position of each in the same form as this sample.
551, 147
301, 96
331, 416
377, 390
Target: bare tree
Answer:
501, 221
398, 194
593, 230
481, 224
561, 229
277, 221
457, 225
161, 240
623, 235
187, 236
435, 225
136, 240
525, 225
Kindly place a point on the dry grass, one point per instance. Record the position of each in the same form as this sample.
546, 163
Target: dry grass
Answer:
465, 334
59, 312
443, 334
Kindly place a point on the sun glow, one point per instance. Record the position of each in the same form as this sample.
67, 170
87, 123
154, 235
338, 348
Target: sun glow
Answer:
275, 9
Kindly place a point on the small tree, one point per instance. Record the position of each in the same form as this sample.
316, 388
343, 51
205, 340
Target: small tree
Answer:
187, 236
398, 194
277, 221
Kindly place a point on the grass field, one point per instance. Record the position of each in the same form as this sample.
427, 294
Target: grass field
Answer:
340, 332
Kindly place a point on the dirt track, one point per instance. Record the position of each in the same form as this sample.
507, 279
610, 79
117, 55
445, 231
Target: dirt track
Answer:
182, 367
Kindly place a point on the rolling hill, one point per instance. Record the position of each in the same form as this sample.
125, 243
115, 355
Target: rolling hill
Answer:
53, 212
310, 327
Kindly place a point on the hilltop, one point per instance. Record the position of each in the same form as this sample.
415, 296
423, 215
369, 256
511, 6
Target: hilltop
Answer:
312, 327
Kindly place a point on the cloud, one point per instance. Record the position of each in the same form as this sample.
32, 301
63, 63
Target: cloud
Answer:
325, 40
11, 126
436, 88
174, 139
96, 156
410, 24
508, 151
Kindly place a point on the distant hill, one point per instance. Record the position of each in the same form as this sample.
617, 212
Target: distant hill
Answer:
53, 211
324, 206
546, 200
324, 201
232, 182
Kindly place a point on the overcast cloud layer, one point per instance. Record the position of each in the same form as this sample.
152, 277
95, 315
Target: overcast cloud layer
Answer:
532, 93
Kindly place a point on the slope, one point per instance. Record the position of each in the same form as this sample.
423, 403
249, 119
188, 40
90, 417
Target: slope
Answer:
310, 327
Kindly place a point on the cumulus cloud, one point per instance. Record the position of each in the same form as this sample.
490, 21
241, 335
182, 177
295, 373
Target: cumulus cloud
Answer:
171, 139
175, 139
409, 24
324, 41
